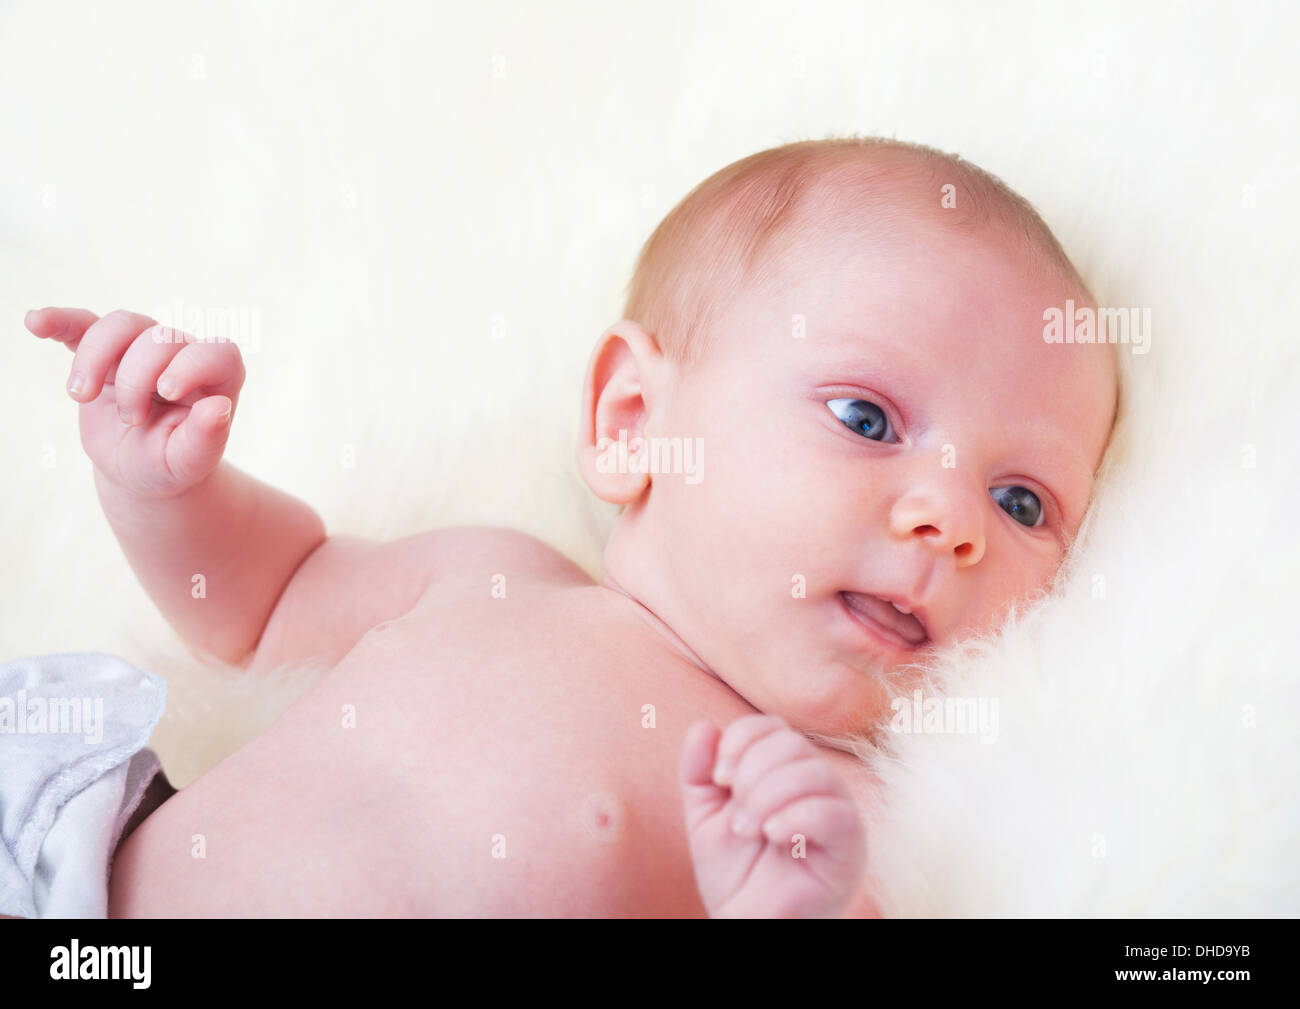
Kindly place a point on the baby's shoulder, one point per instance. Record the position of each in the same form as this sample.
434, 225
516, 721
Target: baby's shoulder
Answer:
459, 552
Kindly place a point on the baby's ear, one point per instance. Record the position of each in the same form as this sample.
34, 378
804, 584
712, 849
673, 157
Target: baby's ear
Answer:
623, 375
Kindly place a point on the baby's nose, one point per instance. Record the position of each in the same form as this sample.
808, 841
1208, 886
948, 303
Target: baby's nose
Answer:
948, 522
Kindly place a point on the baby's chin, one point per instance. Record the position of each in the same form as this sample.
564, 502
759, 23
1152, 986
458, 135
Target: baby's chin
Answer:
838, 700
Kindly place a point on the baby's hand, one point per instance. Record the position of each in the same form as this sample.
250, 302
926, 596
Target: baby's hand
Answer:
773, 828
155, 405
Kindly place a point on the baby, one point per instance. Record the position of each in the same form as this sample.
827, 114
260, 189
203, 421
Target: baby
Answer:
498, 734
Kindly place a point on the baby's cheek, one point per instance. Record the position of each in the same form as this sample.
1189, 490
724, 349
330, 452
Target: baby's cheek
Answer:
1011, 584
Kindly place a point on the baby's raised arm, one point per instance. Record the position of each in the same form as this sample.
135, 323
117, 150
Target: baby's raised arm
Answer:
212, 546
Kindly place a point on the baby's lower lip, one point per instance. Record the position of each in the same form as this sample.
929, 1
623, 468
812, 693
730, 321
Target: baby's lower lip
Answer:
883, 635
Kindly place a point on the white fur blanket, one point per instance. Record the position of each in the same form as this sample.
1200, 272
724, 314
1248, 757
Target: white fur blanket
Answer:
422, 218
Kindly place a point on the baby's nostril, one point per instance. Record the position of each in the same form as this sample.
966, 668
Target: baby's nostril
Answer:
963, 550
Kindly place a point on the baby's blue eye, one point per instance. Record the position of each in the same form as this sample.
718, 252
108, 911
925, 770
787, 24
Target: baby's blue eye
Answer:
1021, 504
864, 417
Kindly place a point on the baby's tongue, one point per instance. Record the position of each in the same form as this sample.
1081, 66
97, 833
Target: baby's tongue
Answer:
903, 624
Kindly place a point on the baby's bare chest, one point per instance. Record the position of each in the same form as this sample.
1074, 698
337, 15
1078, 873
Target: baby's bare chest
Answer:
450, 762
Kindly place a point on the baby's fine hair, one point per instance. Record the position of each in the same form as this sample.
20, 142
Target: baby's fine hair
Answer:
733, 231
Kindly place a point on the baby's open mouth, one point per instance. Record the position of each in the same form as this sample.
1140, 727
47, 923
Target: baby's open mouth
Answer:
886, 619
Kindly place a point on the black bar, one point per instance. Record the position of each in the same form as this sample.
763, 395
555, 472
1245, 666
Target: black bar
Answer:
615, 959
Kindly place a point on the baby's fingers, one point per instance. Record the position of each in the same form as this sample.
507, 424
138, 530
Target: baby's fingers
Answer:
738, 737
810, 776
66, 325
194, 448
136, 375
700, 796
216, 367
100, 349
822, 820
767, 753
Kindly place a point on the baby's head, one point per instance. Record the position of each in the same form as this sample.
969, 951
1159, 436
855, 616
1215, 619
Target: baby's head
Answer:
848, 334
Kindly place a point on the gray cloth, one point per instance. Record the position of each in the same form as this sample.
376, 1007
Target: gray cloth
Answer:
74, 766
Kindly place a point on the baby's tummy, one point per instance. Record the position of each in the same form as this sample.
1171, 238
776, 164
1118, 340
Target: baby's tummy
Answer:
350, 805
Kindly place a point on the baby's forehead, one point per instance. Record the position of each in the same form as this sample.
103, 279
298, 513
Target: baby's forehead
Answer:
910, 277
953, 316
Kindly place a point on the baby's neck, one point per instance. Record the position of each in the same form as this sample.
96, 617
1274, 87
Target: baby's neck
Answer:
668, 633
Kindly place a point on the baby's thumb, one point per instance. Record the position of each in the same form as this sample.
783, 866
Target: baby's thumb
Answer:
700, 796
194, 448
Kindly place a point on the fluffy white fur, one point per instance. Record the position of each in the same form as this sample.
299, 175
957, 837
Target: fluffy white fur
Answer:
434, 213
